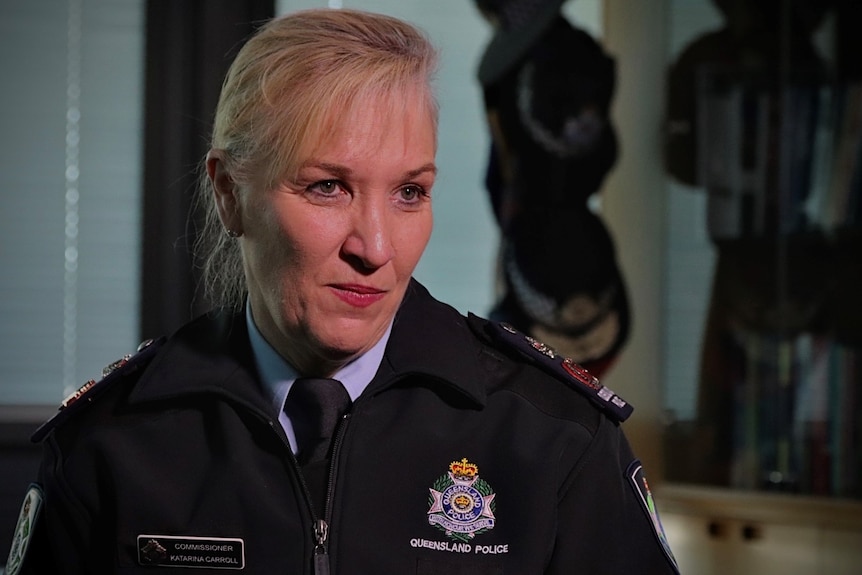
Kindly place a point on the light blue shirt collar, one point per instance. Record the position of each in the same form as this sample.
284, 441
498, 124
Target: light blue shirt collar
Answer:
277, 375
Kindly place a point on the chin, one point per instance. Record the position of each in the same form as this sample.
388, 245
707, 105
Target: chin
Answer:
350, 339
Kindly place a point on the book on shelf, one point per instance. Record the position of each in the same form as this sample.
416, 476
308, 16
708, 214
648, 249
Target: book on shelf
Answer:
821, 157
798, 129
733, 130
778, 161
837, 200
744, 466
854, 207
798, 415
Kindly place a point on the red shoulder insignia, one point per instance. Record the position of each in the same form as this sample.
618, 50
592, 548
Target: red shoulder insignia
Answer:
545, 357
88, 392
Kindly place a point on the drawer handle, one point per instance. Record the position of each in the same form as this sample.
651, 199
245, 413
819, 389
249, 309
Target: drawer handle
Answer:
751, 532
716, 529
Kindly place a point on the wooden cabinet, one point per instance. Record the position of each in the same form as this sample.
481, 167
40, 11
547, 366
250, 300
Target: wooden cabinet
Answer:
716, 531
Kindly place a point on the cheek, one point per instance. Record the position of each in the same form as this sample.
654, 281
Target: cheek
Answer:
303, 242
275, 252
412, 242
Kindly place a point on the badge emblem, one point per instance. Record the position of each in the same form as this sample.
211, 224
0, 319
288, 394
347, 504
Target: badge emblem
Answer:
109, 369
24, 530
581, 374
461, 504
541, 347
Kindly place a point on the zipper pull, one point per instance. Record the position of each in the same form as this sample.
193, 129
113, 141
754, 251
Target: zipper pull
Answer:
321, 557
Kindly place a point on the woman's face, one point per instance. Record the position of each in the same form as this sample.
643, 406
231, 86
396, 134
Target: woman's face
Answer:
329, 256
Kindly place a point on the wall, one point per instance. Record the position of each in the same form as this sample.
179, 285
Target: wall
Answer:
634, 208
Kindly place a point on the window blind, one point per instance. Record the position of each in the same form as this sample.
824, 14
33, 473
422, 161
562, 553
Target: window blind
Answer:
70, 115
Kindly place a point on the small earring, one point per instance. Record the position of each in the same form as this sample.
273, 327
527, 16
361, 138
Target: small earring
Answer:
232, 233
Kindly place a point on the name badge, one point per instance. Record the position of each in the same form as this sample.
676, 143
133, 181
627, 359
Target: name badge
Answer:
211, 552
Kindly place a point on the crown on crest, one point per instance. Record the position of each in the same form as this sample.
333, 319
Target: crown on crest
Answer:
463, 470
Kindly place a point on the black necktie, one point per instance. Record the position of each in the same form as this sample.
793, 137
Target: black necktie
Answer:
315, 405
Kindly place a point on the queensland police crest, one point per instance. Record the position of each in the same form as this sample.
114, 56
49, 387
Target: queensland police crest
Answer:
461, 504
27, 519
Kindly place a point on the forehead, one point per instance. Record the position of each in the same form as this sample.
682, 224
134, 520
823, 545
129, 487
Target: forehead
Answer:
373, 120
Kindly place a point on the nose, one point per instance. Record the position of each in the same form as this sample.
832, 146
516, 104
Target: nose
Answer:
370, 239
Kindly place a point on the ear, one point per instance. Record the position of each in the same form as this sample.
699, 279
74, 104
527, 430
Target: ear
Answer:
226, 192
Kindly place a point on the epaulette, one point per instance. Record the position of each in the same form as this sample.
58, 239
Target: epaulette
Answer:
88, 392
546, 358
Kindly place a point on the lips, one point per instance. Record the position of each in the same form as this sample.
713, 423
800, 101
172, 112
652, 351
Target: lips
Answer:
356, 295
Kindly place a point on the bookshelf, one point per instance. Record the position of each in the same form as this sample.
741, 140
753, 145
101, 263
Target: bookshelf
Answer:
723, 279
779, 402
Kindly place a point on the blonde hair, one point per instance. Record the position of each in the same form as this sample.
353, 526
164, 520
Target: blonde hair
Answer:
284, 94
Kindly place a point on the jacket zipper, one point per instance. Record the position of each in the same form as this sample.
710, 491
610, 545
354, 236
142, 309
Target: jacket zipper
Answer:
321, 555
320, 529
321, 526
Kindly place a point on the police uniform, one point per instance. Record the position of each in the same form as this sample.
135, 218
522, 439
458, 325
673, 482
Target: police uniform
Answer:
473, 450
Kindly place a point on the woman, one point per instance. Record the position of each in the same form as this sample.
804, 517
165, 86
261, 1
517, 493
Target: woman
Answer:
464, 447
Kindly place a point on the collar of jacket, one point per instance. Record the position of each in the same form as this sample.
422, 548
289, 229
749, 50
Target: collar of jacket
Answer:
209, 355
432, 339
212, 355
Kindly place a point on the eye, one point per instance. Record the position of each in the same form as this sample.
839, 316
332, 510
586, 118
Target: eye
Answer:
324, 187
411, 193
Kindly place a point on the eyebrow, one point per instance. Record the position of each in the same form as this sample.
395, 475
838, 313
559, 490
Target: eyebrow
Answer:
345, 172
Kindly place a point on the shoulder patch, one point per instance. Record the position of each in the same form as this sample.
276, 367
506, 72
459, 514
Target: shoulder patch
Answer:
638, 482
27, 519
88, 392
545, 357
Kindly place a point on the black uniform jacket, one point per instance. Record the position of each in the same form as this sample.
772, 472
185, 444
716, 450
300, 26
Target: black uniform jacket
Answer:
460, 457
